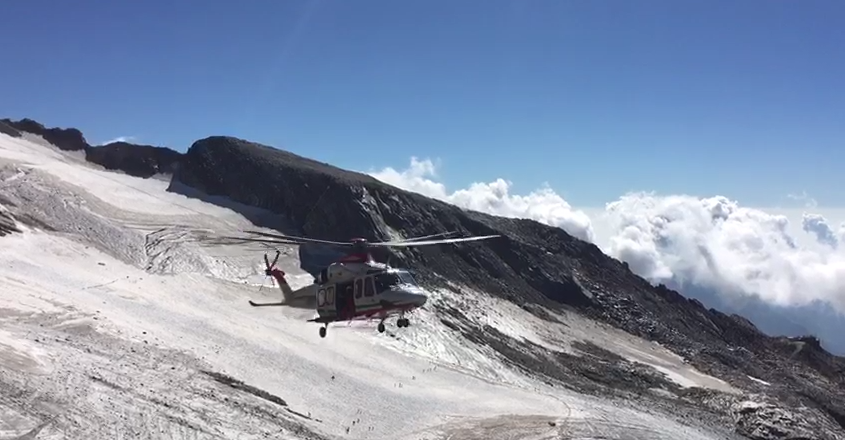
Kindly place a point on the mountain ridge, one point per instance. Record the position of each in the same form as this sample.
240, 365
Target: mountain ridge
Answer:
533, 264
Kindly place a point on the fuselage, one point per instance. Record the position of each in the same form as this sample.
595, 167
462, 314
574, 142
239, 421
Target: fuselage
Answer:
377, 292
405, 295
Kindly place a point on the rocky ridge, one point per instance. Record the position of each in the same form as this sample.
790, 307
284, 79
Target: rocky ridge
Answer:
531, 265
133, 159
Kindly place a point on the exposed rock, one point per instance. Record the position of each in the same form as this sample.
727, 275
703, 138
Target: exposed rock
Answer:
7, 222
67, 139
763, 421
136, 160
8, 129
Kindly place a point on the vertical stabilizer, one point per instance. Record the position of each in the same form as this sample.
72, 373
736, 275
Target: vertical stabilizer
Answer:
287, 292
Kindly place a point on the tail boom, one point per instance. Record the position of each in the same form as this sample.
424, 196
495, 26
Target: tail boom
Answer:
287, 292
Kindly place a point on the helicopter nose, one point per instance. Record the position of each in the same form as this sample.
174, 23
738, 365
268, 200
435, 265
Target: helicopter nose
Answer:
422, 299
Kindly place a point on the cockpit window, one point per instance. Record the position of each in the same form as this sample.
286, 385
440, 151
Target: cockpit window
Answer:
407, 278
386, 280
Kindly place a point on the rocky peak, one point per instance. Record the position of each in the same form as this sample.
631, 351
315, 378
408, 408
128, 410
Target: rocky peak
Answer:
67, 139
812, 342
8, 129
133, 159
319, 199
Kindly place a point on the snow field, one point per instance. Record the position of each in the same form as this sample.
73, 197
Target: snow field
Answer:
119, 276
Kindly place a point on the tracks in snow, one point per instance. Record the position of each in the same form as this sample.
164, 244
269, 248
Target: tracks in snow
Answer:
165, 253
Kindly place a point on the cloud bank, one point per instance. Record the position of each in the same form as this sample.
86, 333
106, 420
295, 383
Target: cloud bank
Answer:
710, 242
714, 242
543, 205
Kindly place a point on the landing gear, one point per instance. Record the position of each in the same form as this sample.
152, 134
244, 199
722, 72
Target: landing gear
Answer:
323, 331
402, 321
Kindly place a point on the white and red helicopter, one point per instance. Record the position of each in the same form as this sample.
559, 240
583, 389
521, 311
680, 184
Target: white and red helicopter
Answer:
354, 286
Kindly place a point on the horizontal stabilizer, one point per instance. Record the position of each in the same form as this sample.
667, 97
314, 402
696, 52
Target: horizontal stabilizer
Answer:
256, 304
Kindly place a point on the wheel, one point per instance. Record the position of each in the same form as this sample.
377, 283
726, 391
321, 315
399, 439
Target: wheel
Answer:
381, 327
322, 332
403, 322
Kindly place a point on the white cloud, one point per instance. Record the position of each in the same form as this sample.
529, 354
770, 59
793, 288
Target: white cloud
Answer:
711, 242
817, 225
543, 204
714, 242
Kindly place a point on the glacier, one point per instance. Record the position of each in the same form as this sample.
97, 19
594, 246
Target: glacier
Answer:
116, 323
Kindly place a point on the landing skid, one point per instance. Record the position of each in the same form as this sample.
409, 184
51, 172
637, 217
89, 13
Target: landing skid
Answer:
255, 304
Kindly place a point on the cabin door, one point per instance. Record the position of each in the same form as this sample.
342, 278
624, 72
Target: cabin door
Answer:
345, 303
364, 292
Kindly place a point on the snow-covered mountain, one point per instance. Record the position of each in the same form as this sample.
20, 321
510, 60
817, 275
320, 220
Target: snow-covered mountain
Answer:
116, 323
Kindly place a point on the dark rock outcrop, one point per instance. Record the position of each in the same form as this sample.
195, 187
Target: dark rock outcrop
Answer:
531, 264
135, 160
66, 139
7, 223
8, 129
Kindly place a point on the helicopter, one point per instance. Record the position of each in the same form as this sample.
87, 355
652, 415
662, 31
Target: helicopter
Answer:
355, 286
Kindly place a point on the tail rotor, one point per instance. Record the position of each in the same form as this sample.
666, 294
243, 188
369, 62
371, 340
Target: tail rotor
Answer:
269, 268
269, 265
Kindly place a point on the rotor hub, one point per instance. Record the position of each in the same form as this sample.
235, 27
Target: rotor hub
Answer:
359, 245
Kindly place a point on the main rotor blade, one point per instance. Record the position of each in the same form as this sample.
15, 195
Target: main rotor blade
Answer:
431, 242
240, 240
416, 239
299, 239
426, 237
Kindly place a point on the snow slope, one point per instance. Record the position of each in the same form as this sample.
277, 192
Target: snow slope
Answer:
115, 324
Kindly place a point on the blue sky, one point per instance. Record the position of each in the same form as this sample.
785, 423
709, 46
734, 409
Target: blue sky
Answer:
743, 99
